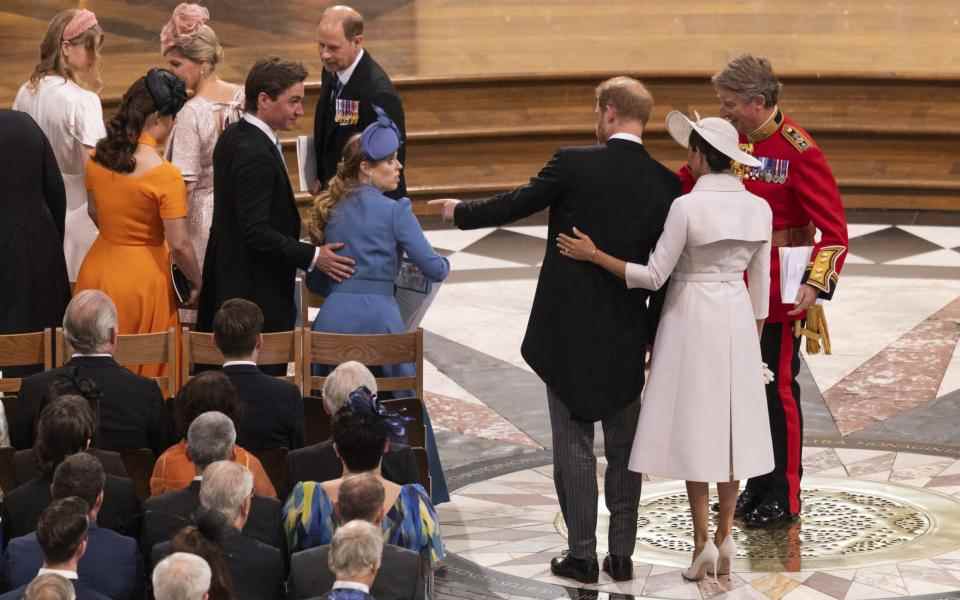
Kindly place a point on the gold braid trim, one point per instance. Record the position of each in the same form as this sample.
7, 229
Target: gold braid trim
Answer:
815, 330
823, 269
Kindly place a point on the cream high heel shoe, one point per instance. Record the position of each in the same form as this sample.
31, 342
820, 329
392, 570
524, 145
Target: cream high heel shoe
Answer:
728, 551
705, 560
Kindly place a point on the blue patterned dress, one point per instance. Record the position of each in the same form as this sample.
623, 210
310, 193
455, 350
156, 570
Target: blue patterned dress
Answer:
412, 523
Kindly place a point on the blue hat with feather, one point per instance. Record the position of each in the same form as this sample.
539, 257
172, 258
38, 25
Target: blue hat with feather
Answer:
381, 138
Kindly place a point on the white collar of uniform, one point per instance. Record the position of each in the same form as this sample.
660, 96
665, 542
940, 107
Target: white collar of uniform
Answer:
718, 182
626, 136
230, 363
351, 585
345, 75
61, 572
95, 355
262, 126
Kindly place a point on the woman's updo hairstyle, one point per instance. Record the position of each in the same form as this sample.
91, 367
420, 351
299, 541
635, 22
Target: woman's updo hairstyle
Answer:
159, 92
359, 439
347, 178
187, 32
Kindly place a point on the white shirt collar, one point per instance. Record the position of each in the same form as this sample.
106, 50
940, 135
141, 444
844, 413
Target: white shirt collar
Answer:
61, 572
344, 75
266, 129
718, 182
351, 585
626, 136
96, 355
230, 363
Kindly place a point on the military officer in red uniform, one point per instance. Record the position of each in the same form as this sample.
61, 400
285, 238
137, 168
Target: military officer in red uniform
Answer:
796, 180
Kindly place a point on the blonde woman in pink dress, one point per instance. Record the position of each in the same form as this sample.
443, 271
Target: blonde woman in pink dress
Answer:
192, 51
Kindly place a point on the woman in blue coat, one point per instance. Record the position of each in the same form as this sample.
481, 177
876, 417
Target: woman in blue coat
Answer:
377, 232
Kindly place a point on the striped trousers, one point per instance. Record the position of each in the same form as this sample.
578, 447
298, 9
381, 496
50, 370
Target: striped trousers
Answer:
575, 478
781, 351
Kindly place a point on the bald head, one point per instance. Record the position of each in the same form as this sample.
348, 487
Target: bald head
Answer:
361, 497
90, 323
340, 37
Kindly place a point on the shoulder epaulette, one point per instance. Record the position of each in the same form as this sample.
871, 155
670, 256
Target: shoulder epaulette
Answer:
798, 139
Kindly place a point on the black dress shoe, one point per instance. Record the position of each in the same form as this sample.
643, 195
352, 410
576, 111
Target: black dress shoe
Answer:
746, 502
769, 514
619, 568
583, 570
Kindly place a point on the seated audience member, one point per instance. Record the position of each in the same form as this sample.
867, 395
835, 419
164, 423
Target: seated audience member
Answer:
402, 572
131, 411
208, 391
66, 427
181, 576
62, 534
256, 569
111, 564
272, 415
319, 462
355, 559
50, 586
410, 520
210, 438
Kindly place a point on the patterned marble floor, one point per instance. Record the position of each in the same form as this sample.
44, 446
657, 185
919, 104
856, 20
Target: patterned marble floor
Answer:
882, 410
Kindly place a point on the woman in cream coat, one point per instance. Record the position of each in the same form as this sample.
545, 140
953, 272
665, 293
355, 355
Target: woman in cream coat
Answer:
704, 415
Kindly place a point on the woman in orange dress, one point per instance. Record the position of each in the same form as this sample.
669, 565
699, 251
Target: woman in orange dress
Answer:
139, 202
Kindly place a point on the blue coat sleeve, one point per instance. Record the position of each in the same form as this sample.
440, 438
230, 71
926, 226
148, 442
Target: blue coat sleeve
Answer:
412, 241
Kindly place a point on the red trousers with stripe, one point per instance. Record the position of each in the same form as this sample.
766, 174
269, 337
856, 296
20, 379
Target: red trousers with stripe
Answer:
781, 351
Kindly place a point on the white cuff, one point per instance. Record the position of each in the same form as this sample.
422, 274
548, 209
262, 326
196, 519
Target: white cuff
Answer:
316, 257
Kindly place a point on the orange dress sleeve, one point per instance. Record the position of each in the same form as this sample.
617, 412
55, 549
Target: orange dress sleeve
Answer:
171, 192
262, 486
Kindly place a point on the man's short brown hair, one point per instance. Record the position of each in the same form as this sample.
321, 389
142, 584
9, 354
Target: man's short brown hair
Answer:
236, 327
62, 528
630, 98
79, 475
360, 497
272, 76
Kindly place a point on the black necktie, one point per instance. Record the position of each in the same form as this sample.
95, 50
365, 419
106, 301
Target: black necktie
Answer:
337, 88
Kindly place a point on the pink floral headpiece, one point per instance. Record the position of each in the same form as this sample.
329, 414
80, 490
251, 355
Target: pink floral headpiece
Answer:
82, 21
184, 23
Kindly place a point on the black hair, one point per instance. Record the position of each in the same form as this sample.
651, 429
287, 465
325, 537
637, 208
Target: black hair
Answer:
716, 160
359, 439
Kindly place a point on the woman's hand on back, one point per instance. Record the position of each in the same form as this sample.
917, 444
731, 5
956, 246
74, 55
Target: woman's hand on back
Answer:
580, 247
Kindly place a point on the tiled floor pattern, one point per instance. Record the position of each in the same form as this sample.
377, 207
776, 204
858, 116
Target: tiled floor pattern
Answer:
507, 524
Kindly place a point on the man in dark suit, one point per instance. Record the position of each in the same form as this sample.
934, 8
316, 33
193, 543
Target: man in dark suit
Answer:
130, 407
226, 496
210, 438
62, 535
254, 249
588, 334
402, 573
181, 576
319, 462
66, 427
111, 564
272, 415
352, 84
355, 553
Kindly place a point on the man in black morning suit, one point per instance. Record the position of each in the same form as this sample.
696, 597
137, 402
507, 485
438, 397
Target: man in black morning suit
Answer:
254, 249
588, 334
352, 84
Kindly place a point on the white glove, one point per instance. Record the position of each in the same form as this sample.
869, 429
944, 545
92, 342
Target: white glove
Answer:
767, 374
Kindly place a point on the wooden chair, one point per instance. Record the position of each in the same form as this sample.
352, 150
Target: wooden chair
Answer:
370, 349
274, 461
278, 347
22, 349
412, 408
139, 464
139, 349
316, 421
307, 300
424, 467
8, 473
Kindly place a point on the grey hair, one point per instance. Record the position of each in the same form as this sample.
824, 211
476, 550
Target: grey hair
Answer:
226, 485
750, 76
210, 437
90, 322
50, 586
181, 576
346, 378
355, 549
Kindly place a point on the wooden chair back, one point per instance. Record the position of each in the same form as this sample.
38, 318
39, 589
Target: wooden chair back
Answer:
22, 349
371, 350
274, 461
8, 472
423, 466
139, 464
307, 300
413, 409
139, 349
278, 347
316, 421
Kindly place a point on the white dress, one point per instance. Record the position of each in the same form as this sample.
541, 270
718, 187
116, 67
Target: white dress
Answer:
72, 119
704, 412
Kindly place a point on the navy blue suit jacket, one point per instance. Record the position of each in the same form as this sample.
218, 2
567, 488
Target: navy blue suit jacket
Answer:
272, 410
111, 565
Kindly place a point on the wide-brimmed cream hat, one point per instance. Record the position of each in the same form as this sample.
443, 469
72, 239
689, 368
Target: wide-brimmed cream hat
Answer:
719, 133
